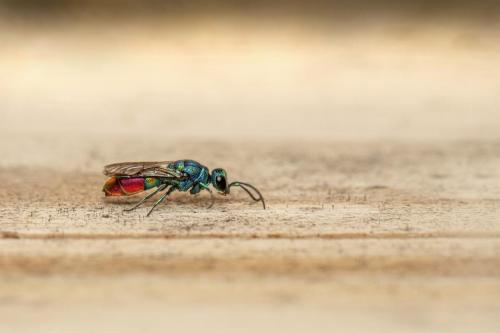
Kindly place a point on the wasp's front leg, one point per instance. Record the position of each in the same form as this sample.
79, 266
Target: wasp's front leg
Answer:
212, 200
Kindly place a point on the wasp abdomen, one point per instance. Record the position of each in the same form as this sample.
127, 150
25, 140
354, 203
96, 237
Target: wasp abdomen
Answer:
117, 186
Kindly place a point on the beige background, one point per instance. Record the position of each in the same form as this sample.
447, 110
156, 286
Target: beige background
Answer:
372, 133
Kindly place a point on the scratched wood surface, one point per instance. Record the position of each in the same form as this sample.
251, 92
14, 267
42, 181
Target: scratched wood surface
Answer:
394, 236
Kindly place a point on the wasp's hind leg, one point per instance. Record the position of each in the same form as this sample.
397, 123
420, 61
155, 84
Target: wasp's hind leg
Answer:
170, 190
158, 189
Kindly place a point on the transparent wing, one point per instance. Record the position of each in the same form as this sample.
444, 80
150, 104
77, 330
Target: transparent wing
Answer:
142, 169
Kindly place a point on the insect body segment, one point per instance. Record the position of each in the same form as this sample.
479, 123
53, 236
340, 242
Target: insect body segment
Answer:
130, 178
127, 186
195, 173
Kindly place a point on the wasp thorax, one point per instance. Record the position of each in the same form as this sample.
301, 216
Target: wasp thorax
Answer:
219, 179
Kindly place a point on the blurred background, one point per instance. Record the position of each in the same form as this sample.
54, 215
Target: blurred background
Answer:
372, 127
251, 70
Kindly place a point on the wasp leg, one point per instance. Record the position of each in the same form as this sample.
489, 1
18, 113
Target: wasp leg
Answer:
158, 189
212, 200
170, 190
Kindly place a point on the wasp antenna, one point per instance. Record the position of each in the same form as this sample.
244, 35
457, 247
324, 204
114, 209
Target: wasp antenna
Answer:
259, 196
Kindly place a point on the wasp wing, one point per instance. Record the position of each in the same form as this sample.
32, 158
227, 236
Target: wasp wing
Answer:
142, 169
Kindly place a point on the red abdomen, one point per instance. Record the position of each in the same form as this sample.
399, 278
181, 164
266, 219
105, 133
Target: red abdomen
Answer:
123, 186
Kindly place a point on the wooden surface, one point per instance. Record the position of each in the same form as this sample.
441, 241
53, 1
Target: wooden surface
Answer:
397, 237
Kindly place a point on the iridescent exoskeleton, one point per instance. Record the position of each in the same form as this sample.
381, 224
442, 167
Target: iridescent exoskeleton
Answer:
130, 178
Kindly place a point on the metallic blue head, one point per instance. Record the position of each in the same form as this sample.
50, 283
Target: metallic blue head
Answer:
219, 180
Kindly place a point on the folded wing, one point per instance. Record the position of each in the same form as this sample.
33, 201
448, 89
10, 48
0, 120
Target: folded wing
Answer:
142, 169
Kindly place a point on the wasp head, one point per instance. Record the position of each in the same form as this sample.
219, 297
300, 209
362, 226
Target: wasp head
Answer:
219, 180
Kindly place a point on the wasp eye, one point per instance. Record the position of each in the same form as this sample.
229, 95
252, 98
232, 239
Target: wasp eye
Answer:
221, 182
